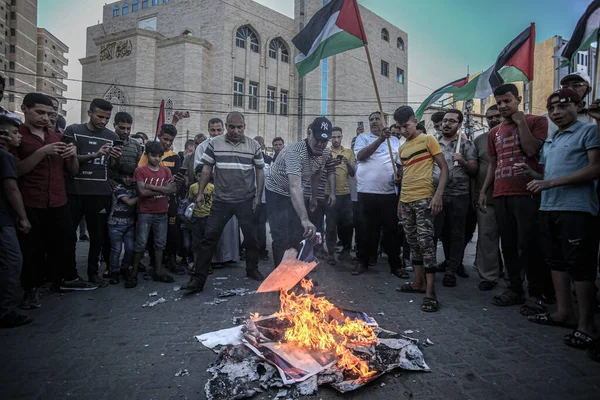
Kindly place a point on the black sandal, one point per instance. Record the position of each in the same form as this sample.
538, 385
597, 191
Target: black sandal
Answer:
430, 305
547, 320
508, 298
131, 282
400, 273
485, 286
449, 280
578, 340
408, 288
162, 278
534, 306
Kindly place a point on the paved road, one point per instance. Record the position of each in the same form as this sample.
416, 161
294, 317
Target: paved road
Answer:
104, 345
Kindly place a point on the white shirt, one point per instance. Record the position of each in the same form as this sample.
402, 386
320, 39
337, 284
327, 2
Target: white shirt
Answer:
200, 152
376, 174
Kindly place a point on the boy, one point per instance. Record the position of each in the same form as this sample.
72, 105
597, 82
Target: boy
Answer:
12, 213
121, 223
154, 183
201, 211
419, 203
571, 159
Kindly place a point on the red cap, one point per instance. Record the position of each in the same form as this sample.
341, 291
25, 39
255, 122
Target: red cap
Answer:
564, 95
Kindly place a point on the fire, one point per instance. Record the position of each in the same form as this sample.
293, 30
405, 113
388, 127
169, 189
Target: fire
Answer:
315, 325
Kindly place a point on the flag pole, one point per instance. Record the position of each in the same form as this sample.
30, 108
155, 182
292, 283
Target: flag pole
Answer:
381, 109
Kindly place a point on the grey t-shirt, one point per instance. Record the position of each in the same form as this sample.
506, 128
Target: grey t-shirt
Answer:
92, 178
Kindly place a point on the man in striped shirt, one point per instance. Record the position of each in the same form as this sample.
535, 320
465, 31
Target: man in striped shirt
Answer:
236, 159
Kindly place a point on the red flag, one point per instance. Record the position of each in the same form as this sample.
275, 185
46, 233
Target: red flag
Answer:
161, 118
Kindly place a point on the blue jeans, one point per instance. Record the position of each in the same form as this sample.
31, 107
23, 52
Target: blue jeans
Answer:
10, 266
121, 235
159, 224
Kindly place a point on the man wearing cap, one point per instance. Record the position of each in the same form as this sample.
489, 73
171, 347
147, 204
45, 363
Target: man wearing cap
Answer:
581, 83
571, 159
297, 166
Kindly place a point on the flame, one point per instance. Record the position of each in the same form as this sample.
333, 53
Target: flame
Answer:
315, 326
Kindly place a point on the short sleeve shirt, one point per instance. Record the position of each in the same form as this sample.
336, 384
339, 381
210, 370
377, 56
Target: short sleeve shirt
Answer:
8, 170
203, 210
563, 154
158, 204
92, 178
417, 158
295, 159
376, 174
342, 185
121, 213
504, 143
458, 179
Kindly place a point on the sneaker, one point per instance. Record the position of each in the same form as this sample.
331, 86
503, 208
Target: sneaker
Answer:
31, 300
12, 320
113, 279
95, 279
77, 285
84, 238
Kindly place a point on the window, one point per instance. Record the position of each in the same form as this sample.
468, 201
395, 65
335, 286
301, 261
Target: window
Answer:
283, 103
238, 92
13, 15
115, 11
154, 2
12, 48
165, 1
125, 8
400, 75
245, 33
144, 4
271, 100
11, 98
385, 35
253, 96
385, 68
277, 44
13, 32
11, 81
11, 65
134, 6
400, 43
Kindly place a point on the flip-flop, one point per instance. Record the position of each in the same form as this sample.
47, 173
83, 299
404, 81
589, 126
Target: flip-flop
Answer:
546, 319
578, 340
430, 305
408, 288
401, 273
162, 278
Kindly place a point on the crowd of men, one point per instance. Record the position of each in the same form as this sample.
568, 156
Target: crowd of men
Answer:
529, 185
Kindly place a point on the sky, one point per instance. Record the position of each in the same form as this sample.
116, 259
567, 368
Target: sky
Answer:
444, 37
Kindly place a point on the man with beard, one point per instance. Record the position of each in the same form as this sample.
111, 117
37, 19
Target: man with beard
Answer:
132, 150
450, 223
517, 140
298, 165
488, 238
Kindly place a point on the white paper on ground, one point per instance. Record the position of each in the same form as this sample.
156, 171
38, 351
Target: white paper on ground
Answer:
223, 337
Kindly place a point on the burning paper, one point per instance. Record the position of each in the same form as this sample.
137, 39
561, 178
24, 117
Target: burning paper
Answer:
287, 274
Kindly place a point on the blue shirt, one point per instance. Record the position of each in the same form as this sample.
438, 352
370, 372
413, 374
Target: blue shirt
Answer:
563, 154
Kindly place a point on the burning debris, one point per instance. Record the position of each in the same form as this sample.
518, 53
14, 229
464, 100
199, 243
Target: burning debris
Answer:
308, 343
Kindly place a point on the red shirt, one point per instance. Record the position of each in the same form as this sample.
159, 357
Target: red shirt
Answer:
504, 144
156, 204
44, 185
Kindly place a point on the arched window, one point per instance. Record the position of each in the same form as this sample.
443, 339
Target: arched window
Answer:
277, 44
116, 11
118, 98
385, 35
246, 33
135, 6
125, 8
400, 43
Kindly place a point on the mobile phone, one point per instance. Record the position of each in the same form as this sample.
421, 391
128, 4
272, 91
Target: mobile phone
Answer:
340, 157
67, 139
118, 143
361, 124
182, 171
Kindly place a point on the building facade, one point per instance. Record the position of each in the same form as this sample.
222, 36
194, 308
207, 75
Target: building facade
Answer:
210, 57
29, 55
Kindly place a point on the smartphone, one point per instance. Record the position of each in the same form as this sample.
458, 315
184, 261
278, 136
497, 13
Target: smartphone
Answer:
361, 124
340, 157
67, 139
182, 171
118, 143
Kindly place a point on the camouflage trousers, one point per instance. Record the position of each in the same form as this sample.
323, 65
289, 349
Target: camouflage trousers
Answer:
419, 232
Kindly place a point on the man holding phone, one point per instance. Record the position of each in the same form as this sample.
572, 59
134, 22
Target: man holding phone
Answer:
339, 216
132, 150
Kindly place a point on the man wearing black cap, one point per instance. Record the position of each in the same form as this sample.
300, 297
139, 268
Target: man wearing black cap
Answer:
298, 165
571, 157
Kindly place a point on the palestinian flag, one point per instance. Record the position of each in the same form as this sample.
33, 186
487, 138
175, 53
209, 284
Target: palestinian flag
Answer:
585, 33
161, 120
452, 87
515, 62
335, 28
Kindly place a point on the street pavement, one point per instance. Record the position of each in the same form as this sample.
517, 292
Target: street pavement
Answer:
104, 345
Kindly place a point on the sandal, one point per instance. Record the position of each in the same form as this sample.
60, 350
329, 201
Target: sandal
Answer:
162, 278
485, 286
449, 280
578, 340
408, 288
508, 298
400, 273
534, 306
131, 282
594, 350
546, 319
430, 305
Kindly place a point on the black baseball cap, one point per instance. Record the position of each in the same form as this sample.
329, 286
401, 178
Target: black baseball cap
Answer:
321, 128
